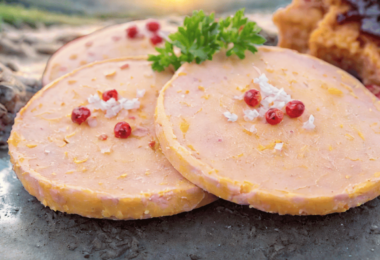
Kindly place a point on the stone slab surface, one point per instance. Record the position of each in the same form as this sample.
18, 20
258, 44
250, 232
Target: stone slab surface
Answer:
221, 230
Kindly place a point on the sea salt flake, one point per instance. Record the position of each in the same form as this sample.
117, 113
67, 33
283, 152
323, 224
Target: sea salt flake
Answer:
309, 124
111, 103
106, 150
105, 105
92, 122
278, 104
241, 97
93, 98
111, 106
250, 115
47, 151
113, 111
130, 104
278, 146
261, 80
230, 116
266, 102
272, 96
95, 102
253, 129
262, 111
140, 93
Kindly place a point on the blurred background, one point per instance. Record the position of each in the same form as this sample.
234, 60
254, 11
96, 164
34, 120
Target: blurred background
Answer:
32, 30
131, 8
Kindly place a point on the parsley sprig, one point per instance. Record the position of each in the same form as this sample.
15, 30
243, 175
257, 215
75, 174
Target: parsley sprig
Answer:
201, 37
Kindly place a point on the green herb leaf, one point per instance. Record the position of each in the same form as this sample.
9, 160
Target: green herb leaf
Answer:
201, 37
239, 33
165, 58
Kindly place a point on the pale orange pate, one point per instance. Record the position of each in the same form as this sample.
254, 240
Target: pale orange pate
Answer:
83, 169
108, 43
325, 161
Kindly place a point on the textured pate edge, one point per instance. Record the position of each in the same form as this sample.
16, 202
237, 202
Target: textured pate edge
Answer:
85, 202
245, 193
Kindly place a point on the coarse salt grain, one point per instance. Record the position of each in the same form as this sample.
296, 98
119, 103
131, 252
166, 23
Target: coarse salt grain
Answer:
92, 122
262, 111
140, 93
309, 124
253, 129
47, 151
230, 116
278, 146
106, 150
278, 104
272, 96
130, 104
250, 115
113, 111
112, 107
108, 104
95, 101
241, 97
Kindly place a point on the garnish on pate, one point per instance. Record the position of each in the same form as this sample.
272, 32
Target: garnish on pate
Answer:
274, 116
122, 130
252, 97
107, 95
80, 115
132, 31
295, 108
201, 37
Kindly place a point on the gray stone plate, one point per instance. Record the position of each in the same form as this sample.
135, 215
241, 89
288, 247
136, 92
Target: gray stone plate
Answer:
221, 230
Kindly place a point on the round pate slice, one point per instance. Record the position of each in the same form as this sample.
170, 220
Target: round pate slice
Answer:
111, 42
327, 160
84, 168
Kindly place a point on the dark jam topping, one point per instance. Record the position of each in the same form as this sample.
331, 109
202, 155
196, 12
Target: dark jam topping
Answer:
365, 11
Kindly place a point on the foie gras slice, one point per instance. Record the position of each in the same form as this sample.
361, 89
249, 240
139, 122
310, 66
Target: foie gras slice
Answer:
84, 169
108, 43
297, 167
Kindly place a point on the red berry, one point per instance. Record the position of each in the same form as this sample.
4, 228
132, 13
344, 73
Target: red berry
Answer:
153, 26
252, 97
122, 130
156, 39
274, 116
80, 114
132, 31
295, 108
110, 94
